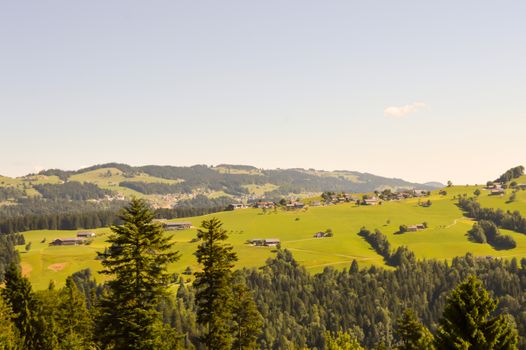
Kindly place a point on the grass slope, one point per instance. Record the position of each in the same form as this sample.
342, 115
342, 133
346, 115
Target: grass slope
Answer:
444, 239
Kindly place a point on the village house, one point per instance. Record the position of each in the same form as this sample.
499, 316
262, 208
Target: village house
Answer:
236, 206
370, 201
415, 228
319, 234
265, 242
172, 226
272, 242
497, 192
68, 241
264, 205
86, 234
295, 205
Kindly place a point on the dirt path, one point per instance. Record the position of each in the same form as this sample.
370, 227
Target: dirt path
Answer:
454, 222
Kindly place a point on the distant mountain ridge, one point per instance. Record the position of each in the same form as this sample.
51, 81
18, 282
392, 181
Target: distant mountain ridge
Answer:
236, 179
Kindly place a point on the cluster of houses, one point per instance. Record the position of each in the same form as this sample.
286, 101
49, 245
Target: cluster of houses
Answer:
81, 239
415, 228
388, 195
264, 205
177, 226
294, 205
174, 226
265, 242
496, 189
377, 198
236, 206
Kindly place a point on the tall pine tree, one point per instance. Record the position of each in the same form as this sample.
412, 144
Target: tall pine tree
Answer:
247, 321
8, 332
27, 310
411, 334
137, 261
213, 285
75, 323
467, 322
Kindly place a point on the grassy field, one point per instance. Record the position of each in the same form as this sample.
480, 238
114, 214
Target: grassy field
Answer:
444, 239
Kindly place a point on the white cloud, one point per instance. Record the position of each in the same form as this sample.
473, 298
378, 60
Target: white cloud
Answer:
402, 111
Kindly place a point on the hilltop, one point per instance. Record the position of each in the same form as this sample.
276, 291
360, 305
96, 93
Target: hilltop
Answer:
165, 186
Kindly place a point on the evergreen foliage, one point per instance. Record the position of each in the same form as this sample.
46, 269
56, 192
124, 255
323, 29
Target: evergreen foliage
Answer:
467, 323
411, 334
213, 285
511, 174
487, 232
247, 321
27, 311
137, 260
8, 332
341, 341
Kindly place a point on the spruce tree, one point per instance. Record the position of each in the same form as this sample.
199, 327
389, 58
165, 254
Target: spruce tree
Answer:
411, 334
137, 261
467, 323
8, 332
75, 323
247, 319
27, 310
213, 285
341, 341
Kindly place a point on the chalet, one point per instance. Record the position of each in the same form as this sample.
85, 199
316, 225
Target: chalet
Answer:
497, 192
295, 205
172, 226
68, 241
272, 242
315, 204
521, 186
264, 205
420, 193
319, 235
236, 206
370, 201
265, 242
415, 228
86, 234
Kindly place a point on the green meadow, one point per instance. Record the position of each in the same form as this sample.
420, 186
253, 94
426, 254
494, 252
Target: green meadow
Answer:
444, 238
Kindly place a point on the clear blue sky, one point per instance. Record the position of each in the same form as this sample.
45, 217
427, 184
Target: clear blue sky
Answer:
414, 89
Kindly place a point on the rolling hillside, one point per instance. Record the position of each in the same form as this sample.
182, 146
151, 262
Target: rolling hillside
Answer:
444, 238
164, 186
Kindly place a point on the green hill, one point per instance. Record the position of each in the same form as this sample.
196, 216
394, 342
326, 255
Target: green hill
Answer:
165, 185
444, 238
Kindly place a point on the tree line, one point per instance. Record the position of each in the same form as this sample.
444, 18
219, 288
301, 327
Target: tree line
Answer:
381, 245
72, 190
513, 221
511, 174
486, 231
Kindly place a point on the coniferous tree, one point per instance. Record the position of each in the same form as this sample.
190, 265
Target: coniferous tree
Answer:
247, 319
213, 285
75, 323
8, 332
137, 260
466, 322
411, 334
341, 341
27, 310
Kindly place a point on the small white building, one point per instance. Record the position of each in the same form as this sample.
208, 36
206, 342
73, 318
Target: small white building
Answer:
86, 234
